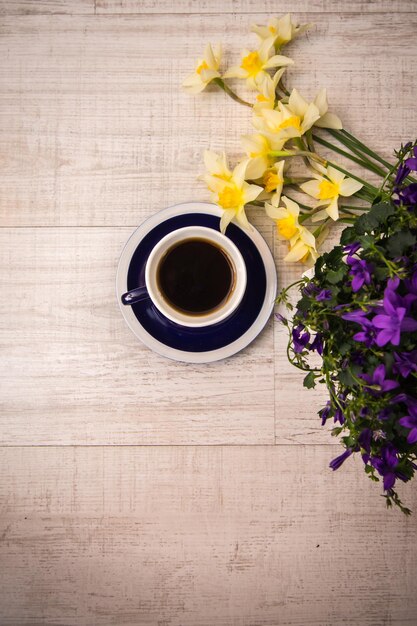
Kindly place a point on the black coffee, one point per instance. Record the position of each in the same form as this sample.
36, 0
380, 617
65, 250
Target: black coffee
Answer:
195, 276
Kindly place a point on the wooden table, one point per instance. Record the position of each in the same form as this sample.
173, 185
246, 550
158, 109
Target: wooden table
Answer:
136, 490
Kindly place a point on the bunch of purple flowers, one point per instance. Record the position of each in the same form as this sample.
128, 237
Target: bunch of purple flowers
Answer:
365, 291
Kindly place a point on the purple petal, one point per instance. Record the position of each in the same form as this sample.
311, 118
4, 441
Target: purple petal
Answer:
379, 374
412, 436
389, 481
357, 283
383, 337
388, 385
384, 321
408, 421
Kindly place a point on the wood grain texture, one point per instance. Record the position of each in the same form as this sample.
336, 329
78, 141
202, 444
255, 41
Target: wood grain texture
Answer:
46, 7
272, 7
73, 373
200, 536
95, 129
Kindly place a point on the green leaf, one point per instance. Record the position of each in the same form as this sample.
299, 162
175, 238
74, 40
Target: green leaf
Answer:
348, 236
378, 214
335, 276
398, 243
309, 380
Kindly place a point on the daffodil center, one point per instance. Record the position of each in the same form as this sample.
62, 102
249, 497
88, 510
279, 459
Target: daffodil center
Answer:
230, 198
328, 190
292, 122
261, 98
272, 29
252, 64
201, 67
287, 227
271, 181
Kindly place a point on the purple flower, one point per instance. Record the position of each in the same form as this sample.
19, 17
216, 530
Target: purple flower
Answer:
410, 421
351, 248
386, 465
310, 289
405, 363
300, 340
367, 334
325, 294
408, 195
411, 284
360, 272
385, 414
317, 344
411, 163
281, 319
339, 460
378, 380
338, 416
324, 413
357, 316
402, 172
393, 320
365, 438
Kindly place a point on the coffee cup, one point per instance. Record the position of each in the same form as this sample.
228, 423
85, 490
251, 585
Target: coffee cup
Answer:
195, 276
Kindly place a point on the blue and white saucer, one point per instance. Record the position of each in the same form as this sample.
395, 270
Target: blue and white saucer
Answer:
209, 343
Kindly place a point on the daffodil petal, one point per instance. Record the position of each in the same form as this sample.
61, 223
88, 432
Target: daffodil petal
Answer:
251, 192
329, 120
312, 188
225, 219
278, 60
292, 206
333, 210
297, 104
349, 186
321, 101
311, 116
336, 176
296, 253
256, 167
235, 72
243, 220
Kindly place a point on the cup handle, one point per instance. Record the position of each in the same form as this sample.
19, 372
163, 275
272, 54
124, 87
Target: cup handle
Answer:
135, 295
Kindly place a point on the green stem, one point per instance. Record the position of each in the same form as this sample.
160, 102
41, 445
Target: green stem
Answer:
339, 134
295, 153
362, 162
220, 82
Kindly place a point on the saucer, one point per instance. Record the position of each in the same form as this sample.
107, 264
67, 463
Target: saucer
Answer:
208, 343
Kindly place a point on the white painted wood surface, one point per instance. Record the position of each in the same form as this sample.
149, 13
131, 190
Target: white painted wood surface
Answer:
135, 490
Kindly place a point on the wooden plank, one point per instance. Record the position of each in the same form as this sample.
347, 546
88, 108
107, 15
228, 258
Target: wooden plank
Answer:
200, 536
47, 7
73, 373
252, 6
95, 129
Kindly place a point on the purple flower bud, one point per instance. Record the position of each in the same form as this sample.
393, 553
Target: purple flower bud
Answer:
339, 460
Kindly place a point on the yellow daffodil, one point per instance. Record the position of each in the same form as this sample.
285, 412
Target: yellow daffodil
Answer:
258, 147
302, 248
296, 117
281, 29
255, 64
301, 240
267, 96
273, 179
327, 190
217, 169
232, 195
206, 70
286, 218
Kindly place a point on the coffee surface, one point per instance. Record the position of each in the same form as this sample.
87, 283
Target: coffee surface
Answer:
195, 276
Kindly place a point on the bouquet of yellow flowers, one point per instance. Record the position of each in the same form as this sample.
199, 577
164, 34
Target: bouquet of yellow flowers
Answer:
286, 126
